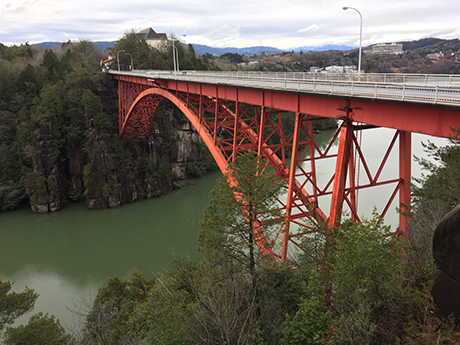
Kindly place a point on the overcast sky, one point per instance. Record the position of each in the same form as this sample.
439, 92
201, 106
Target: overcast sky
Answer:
231, 23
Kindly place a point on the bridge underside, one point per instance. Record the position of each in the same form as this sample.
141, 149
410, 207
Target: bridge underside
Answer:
232, 121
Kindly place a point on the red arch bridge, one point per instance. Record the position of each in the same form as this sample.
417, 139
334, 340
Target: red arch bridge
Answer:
234, 112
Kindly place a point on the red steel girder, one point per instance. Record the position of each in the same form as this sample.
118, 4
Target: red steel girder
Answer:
435, 120
230, 125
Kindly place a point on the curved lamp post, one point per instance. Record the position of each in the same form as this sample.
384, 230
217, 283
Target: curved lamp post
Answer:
176, 55
132, 65
360, 38
118, 60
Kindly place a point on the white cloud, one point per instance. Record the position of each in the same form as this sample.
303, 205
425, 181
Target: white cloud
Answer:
237, 23
311, 28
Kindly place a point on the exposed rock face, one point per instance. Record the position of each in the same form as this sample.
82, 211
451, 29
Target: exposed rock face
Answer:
105, 171
47, 194
183, 149
446, 253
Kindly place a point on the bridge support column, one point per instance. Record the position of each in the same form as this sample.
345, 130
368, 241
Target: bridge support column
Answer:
405, 159
291, 183
340, 177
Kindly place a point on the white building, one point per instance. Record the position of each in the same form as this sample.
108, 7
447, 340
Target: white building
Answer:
340, 69
385, 49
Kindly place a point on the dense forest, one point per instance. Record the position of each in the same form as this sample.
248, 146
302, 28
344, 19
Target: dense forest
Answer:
58, 132
356, 285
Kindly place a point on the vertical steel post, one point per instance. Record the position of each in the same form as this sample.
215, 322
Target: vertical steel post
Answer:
235, 131
312, 160
341, 167
291, 183
216, 118
405, 159
260, 139
352, 182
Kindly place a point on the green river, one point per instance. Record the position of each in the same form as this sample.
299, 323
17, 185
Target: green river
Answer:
66, 256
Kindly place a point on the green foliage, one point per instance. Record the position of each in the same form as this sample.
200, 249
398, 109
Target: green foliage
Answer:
313, 322
370, 289
280, 293
51, 65
435, 193
364, 261
12, 52
143, 55
7, 86
40, 330
235, 58
35, 183
14, 304
227, 228
194, 167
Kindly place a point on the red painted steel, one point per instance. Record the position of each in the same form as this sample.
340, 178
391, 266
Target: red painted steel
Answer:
231, 120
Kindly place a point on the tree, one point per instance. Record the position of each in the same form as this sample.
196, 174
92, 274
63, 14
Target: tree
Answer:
143, 55
436, 193
243, 206
14, 304
238, 224
370, 288
40, 330
312, 323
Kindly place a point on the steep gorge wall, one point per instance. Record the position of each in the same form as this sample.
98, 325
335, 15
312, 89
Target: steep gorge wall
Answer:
107, 172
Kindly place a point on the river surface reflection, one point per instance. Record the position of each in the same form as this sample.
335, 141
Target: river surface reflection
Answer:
67, 255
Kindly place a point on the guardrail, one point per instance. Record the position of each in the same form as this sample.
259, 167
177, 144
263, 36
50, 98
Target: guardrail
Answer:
397, 78
297, 82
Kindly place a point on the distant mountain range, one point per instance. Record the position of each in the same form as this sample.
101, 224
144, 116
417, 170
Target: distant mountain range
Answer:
100, 44
203, 49
428, 43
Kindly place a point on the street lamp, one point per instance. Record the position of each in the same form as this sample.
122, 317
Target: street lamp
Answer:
118, 60
360, 38
176, 55
132, 65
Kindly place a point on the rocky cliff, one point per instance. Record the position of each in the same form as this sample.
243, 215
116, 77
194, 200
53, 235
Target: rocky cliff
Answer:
105, 171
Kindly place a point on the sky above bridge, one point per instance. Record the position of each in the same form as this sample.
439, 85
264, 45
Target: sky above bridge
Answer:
283, 24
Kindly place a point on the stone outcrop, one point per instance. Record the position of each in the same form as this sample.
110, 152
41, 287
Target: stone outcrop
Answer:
446, 253
45, 193
105, 171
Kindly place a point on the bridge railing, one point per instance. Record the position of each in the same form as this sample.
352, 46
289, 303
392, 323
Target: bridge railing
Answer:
398, 78
411, 90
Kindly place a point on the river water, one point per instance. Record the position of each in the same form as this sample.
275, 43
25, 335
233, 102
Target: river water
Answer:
66, 256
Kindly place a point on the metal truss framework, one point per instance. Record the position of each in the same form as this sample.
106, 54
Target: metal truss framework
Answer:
230, 127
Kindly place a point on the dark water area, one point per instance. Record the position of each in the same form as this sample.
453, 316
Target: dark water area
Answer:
66, 255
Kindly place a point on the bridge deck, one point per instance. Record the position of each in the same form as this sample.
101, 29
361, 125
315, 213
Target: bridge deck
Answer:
428, 104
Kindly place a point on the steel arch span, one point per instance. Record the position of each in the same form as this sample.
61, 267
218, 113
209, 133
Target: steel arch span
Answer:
286, 140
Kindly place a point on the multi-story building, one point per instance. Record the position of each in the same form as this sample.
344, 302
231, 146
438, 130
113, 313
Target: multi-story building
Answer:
385, 49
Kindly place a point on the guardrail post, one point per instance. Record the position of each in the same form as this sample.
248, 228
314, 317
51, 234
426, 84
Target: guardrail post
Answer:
404, 92
436, 95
